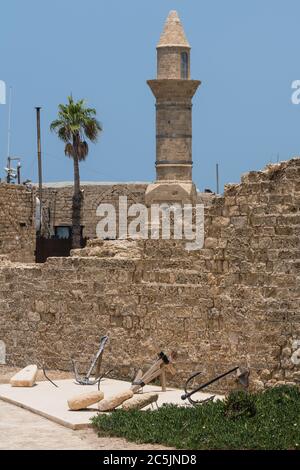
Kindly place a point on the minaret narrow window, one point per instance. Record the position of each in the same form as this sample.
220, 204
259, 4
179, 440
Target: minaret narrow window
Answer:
184, 66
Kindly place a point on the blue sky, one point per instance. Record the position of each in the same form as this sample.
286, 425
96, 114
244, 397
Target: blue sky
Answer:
246, 53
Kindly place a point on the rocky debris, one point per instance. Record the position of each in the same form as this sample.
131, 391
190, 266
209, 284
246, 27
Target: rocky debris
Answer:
119, 249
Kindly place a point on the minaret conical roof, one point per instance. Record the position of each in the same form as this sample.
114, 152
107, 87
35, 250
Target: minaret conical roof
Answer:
173, 34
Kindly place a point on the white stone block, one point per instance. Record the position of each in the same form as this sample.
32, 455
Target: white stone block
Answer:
25, 377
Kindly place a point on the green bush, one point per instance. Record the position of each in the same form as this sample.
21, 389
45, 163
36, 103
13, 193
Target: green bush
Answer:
239, 404
266, 420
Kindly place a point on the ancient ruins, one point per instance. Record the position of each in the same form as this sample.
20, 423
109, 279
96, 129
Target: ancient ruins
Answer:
234, 302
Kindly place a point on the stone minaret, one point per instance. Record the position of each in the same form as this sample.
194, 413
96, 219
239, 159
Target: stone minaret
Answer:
173, 90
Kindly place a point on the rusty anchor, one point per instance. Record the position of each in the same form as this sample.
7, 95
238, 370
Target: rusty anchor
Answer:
95, 364
242, 375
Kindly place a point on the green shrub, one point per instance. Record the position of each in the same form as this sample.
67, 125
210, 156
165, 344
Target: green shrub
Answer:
266, 420
239, 404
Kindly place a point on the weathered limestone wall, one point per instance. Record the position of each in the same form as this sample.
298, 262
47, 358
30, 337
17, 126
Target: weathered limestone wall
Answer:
17, 223
235, 302
58, 203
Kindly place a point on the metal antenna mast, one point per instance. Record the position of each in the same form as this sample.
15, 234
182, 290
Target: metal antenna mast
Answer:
39, 154
217, 178
9, 122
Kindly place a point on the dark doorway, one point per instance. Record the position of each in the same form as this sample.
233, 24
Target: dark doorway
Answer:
58, 247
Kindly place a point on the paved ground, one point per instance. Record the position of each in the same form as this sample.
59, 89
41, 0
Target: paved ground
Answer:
21, 429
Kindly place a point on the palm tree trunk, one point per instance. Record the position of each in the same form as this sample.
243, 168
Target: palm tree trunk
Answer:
77, 199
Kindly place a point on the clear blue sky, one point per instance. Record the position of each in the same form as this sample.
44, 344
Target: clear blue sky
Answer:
246, 53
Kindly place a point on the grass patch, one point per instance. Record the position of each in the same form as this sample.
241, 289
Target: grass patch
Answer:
265, 420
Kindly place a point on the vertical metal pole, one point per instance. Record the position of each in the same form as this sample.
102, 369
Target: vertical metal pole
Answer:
9, 122
19, 173
39, 154
8, 168
217, 178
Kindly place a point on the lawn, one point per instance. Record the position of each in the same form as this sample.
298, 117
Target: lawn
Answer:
265, 420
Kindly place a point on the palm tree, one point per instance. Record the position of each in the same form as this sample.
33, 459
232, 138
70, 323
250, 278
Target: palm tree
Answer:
74, 125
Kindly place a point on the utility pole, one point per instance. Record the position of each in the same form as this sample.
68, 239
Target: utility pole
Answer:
9, 171
2, 96
9, 122
19, 173
217, 178
39, 154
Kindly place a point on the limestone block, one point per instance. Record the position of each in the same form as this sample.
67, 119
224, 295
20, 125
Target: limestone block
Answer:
270, 383
258, 385
33, 316
111, 403
25, 377
265, 374
279, 383
286, 352
140, 401
39, 306
296, 376
79, 402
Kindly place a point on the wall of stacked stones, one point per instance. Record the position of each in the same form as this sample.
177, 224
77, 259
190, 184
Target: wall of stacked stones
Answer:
17, 227
235, 302
58, 204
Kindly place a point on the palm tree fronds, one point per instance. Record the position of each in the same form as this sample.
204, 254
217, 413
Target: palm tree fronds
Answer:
69, 150
92, 129
74, 124
64, 133
83, 150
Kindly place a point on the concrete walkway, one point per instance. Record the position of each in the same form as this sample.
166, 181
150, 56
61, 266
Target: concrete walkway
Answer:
21, 429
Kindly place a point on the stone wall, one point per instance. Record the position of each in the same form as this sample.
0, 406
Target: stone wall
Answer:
57, 202
17, 226
169, 62
235, 302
